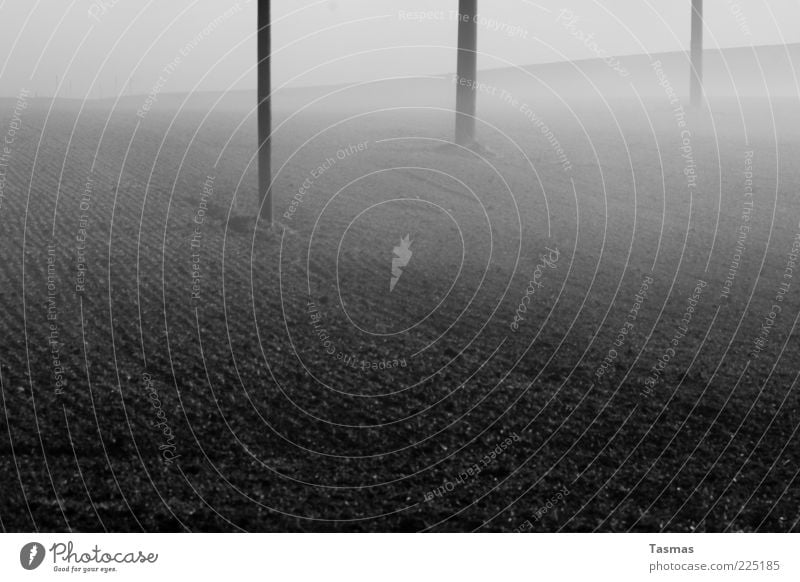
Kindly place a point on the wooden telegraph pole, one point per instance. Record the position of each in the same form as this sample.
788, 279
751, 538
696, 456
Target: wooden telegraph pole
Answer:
467, 71
696, 74
265, 110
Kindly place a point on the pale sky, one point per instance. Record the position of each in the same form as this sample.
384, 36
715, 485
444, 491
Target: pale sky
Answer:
94, 46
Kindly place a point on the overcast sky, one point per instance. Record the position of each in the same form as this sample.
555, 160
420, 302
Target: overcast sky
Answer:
96, 47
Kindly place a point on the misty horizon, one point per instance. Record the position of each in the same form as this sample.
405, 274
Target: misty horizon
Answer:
345, 42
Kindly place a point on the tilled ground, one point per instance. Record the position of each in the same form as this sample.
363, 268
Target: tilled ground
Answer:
190, 371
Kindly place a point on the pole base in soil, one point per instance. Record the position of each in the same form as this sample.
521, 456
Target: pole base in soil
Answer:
474, 147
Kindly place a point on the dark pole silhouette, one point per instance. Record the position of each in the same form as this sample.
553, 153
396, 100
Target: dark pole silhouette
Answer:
467, 71
264, 110
696, 74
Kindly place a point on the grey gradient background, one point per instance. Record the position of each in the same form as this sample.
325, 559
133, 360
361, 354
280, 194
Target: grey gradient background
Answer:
45, 42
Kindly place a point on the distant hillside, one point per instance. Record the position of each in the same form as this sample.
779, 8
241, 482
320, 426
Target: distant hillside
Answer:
756, 72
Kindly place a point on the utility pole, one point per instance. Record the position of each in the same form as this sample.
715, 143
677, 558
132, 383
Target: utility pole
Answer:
264, 110
467, 71
696, 74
